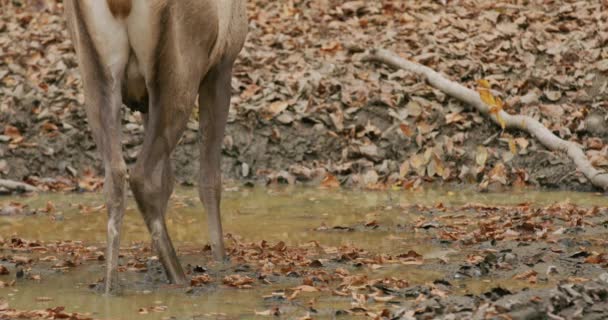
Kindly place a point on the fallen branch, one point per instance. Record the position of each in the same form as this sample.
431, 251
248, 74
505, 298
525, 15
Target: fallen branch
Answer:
524, 123
17, 186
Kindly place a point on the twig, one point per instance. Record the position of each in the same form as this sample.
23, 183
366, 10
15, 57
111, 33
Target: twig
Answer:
17, 186
524, 123
491, 138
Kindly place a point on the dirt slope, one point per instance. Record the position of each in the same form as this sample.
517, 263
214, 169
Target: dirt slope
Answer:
306, 108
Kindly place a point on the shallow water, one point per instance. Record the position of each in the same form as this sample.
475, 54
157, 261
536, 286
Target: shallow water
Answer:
289, 214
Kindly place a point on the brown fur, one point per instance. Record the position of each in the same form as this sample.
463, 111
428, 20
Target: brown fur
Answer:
120, 8
189, 49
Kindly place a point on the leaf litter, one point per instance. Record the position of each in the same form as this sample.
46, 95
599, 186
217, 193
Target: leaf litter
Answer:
307, 110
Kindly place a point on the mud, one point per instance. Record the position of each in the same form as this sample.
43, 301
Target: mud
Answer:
320, 253
251, 144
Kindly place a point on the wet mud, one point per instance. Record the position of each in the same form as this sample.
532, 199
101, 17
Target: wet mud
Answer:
318, 254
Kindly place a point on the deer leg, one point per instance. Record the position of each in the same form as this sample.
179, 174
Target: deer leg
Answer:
144, 117
152, 178
214, 103
103, 112
106, 132
167, 168
114, 188
102, 59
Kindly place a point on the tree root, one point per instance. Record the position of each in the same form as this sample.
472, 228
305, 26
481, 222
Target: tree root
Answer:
536, 129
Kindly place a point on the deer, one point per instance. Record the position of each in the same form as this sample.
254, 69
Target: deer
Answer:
157, 57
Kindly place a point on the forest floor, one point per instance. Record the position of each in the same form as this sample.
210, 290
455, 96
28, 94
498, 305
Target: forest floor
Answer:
307, 109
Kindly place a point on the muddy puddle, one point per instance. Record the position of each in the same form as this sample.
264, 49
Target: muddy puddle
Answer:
413, 239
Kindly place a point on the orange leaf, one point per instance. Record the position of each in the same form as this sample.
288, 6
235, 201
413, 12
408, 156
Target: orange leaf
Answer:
495, 103
512, 146
330, 181
12, 132
483, 83
407, 131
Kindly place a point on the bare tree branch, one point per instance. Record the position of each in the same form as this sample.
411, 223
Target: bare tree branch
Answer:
17, 186
471, 97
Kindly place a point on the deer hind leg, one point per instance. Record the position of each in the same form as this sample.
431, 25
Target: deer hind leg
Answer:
214, 103
152, 177
102, 47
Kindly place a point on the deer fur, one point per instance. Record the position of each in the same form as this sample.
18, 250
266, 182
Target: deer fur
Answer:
157, 56
120, 8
